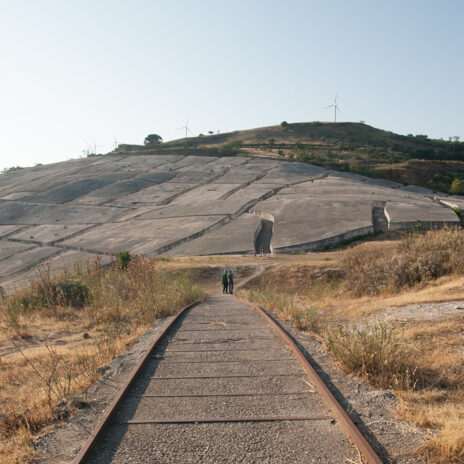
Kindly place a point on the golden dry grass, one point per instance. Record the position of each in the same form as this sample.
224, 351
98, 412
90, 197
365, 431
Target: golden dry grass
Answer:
52, 347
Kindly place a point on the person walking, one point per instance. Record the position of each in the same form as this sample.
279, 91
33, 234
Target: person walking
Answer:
225, 282
230, 279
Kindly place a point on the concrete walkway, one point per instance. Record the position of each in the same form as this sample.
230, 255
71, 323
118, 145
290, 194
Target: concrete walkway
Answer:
222, 364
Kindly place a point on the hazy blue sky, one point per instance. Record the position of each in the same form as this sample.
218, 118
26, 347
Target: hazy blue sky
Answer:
78, 72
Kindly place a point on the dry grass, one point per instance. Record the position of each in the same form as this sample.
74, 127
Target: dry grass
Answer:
377, 353
57, 335
287, 306
418, 258
421, 360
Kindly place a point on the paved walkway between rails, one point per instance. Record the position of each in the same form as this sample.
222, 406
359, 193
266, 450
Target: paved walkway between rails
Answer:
222, 388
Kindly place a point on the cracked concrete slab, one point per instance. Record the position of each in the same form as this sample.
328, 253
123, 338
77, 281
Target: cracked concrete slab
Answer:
205, 193
235, 237
75, 188
47, 233
143, 236
15, 212
25, 259
156, 194
5, 230
8, 248
200, 208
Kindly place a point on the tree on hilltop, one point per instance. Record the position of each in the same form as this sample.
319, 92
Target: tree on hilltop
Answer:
153, 139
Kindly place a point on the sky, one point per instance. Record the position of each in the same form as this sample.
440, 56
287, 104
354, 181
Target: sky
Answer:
75, 75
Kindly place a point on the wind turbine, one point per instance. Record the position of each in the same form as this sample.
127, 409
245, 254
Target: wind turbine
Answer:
187, 130
335, 107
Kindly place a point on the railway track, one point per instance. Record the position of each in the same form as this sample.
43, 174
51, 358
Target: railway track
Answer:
224, 383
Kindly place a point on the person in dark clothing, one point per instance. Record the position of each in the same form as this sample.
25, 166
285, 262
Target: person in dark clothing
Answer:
225, 282
230, 279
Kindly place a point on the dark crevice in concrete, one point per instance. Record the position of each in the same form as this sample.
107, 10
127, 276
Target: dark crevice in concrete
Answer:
263, 240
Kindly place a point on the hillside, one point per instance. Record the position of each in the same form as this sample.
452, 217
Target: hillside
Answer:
349, 147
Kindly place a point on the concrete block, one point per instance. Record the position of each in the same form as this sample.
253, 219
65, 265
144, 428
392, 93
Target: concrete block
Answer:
427, 215
48, 233
142, 236
24, 260
235, 237
74, 189
15, 212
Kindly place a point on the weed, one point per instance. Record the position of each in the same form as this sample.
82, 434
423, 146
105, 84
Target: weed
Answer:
287, 306
124, 258
307, 318
376, 353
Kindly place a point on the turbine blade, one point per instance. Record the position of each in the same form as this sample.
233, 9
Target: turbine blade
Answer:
338, 109
330, 106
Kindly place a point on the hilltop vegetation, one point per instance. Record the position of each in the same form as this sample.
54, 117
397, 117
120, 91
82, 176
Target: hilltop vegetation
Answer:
352, 147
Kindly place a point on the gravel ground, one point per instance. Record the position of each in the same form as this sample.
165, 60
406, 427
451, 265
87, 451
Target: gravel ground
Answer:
213, 350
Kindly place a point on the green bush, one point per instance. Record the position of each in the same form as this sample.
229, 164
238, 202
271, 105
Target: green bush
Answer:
124, 258
72, 293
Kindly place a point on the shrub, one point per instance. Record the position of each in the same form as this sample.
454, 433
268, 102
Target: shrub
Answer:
124, 258
230, 148
457, 187
72, 293
271, 141
375, 352
417, 258
307, 318
284, 124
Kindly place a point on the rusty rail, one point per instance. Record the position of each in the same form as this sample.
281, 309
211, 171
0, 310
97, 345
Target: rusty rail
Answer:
105, 419
339, 413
